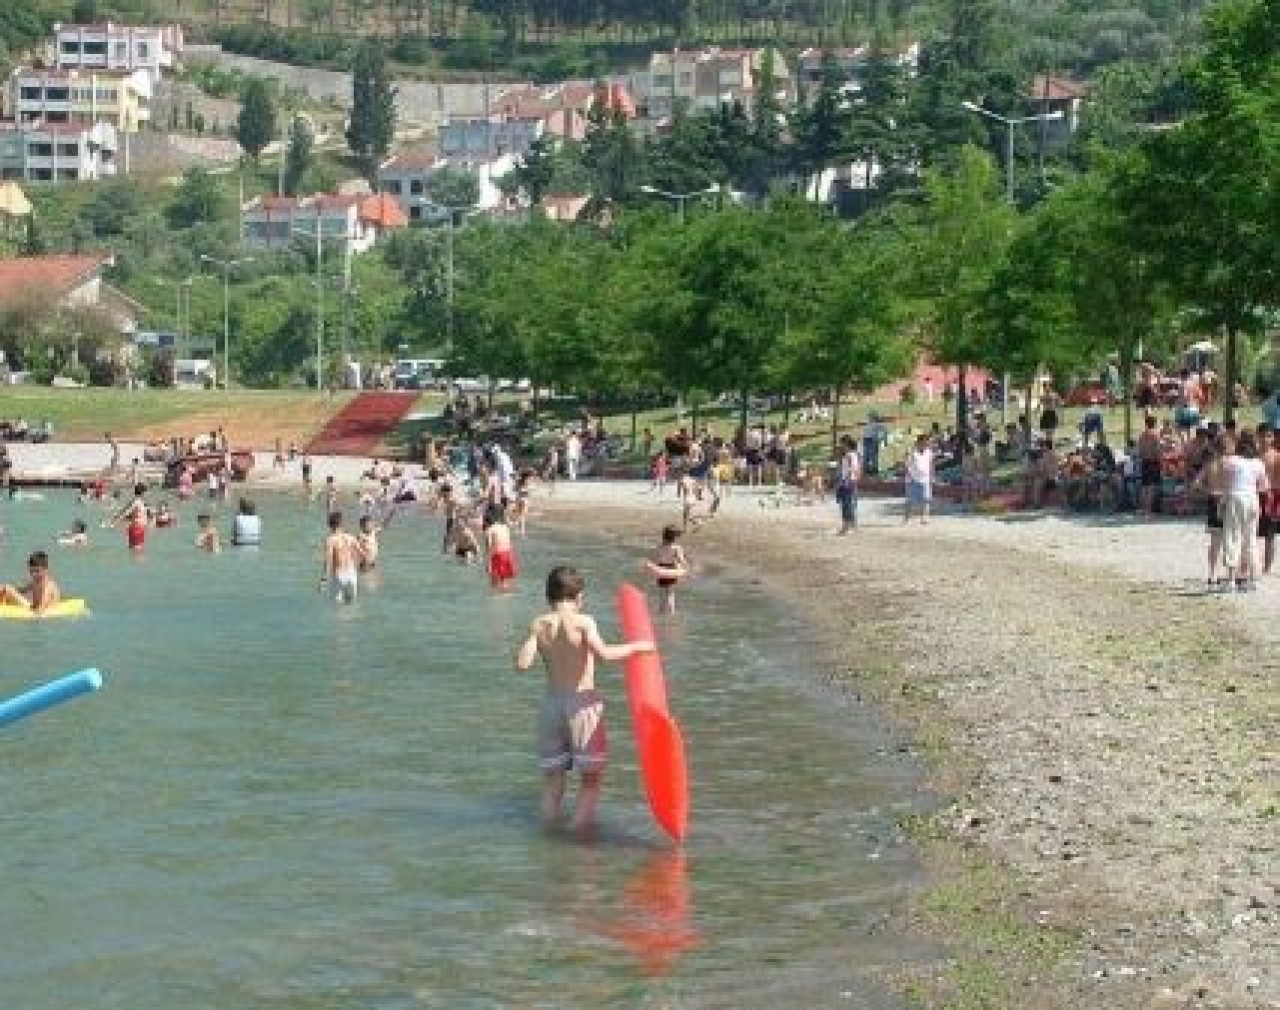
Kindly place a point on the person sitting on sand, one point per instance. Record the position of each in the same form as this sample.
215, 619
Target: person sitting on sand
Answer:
39, 593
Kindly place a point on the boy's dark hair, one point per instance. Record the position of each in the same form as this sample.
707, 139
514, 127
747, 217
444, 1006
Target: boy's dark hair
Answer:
204, 517
247, 508
79, 526
139, 489
494, 513
38, 559
670, 534
335, 520
366, 522
564, 584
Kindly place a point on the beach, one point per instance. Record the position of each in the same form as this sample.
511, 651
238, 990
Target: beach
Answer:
1102, 732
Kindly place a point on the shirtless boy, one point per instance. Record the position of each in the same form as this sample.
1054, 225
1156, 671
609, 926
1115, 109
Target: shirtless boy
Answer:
367, 542
40, 593
341, 561
571, 724
497, 539
668, 565
207, 535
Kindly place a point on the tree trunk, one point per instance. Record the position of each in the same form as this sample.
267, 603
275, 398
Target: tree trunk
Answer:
633, 425
786, 409
962, 398
742, 414
533, 406
1126, 389
835, 419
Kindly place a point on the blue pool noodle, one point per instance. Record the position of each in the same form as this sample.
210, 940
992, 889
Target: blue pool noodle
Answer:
39, 698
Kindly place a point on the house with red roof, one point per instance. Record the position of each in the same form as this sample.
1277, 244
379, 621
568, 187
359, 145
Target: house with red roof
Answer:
352, 220
1061, 97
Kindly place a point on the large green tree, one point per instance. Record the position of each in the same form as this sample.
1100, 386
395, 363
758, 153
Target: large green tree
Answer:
371, 127
256, 124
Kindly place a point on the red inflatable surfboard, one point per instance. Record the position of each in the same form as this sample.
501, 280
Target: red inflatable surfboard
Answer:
659, 745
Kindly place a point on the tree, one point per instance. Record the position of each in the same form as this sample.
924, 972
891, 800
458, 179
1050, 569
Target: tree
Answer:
114, 204
1202, 199
298, 157
962, 233
535, 171
821, 126
371, 128
256, 124
453, 187
198, 200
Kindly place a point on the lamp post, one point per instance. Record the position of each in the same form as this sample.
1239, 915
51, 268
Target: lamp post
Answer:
452, 211
1010, 123
226, 266
680, 199
318, 235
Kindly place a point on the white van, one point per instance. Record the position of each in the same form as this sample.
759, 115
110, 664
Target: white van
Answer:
417, 373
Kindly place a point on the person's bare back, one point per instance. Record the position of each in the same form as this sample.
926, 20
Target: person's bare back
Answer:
568, 644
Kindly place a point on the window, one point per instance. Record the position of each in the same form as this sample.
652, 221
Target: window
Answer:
42, 174
30, 94
69, 47
57, 117
68, 150
415, 213
144, 51
121, 50
10, 173
686, 79
662, 80
39, 150
730, 78
69, 174
95, 49
56, 94
393, 187
415, 187
107, 94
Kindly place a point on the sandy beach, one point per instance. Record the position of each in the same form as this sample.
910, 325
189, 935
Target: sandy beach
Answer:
1103, 732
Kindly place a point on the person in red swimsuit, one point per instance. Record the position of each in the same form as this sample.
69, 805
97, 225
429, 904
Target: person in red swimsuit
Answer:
135, 515
497, 538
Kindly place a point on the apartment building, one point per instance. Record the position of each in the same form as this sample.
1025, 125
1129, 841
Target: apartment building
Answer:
705, 79
121, 98
152, 49
57, 152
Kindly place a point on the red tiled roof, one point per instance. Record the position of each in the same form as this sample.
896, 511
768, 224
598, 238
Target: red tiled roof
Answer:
1056, 88
45, 276
383, 210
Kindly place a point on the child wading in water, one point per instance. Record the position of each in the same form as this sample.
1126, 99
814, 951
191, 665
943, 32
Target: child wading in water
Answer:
571, 724
497, 540
668, 565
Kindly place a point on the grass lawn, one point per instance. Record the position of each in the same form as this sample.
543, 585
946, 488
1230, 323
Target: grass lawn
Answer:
252, 418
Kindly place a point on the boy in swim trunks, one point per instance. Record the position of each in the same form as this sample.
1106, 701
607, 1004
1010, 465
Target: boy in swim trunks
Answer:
136, 515
367, 542
40, 593
341, 561
571, 724
668, 565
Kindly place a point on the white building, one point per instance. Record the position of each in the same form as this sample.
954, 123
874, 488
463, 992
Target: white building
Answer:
120, 97
705, 79
151, 48
353, 221
57, 152
406, 178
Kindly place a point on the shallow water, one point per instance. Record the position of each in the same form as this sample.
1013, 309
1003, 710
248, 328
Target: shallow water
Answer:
279, 802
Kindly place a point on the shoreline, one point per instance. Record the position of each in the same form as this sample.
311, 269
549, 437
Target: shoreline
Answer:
1107, 836
1102, 732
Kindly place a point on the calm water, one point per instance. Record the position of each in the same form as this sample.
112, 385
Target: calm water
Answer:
276, 802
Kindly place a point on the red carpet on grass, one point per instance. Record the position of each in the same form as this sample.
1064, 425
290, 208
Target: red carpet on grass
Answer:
363, 424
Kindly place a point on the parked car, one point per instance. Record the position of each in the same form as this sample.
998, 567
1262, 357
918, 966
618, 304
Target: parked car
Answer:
1091, 393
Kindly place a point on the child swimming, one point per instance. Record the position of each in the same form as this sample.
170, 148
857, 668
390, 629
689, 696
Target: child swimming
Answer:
207, 537
77, 536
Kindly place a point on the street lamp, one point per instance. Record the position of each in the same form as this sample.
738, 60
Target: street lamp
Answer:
452, 211
681, 199
318, 235
226, 266
1009, 124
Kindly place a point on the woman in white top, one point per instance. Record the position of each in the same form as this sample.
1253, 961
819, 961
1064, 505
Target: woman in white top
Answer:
1245, 478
